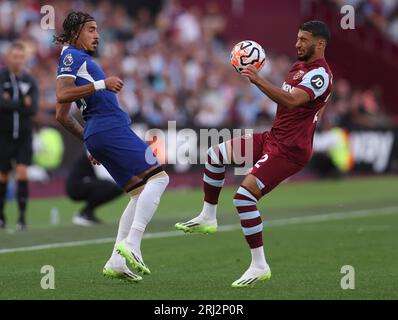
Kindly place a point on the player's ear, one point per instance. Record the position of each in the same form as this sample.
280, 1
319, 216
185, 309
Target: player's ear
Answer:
74, 36
322, 43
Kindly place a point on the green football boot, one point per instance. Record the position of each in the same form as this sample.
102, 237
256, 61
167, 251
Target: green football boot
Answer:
122, 273
127, 252
197, 225
251, 277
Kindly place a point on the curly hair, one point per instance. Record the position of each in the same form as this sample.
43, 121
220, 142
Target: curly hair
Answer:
72, 26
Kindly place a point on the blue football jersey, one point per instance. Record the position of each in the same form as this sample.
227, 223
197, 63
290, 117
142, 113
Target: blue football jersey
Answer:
101, 110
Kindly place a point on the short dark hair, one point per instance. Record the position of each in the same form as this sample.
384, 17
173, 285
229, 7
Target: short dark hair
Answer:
17, 44
318, 29
72, 26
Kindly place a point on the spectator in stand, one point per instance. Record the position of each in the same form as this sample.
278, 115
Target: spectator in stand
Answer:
381, 14
366, 110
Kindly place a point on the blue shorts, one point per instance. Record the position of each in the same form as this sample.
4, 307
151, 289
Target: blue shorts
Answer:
121, 152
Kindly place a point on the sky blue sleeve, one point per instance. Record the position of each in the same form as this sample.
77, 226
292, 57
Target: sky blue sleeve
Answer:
315, 82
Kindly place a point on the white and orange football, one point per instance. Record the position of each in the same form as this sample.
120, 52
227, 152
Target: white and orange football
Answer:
245, 53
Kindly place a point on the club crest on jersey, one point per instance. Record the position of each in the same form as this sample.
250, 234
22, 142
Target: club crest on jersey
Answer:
298, 74
68, 60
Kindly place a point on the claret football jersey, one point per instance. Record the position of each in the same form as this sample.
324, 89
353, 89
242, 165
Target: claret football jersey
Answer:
293, 130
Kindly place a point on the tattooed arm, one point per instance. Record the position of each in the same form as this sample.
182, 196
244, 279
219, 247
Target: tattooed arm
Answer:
67, 91
64, 117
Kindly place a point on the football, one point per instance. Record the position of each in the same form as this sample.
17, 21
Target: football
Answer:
245, 53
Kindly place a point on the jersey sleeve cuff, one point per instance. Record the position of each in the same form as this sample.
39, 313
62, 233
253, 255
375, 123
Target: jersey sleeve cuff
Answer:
308, 90
66, 75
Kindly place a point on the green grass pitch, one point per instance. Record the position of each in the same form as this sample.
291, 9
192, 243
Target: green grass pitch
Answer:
311, 230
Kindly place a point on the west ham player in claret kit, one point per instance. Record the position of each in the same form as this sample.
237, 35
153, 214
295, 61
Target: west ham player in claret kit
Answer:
278, 153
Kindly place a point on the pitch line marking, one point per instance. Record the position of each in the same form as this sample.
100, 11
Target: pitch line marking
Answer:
224, 228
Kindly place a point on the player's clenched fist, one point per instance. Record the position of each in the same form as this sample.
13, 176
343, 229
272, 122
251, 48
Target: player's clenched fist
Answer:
114, 84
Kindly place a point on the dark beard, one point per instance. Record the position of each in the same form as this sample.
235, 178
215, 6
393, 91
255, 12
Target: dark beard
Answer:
91, 53
310, 53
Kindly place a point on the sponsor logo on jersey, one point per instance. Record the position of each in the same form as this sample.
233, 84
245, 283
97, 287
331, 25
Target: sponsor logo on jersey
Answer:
67, 69
287, 87
68, 60
298, 75
317, 81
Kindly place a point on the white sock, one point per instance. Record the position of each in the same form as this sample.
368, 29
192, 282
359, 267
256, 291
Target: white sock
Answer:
258, 258
125, 223
209, 211
147, 204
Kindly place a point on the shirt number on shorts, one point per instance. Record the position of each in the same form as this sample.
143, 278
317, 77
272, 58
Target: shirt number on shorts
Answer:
262, 159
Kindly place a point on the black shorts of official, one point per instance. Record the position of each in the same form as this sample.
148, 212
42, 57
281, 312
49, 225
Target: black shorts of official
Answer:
18, 151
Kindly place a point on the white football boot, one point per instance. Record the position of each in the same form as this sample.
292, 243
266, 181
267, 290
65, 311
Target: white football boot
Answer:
251, 277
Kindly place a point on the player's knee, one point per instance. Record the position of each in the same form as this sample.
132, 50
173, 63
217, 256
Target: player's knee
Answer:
163, 179
167, 179
21, 172
157, 184
135, 189
212, 153
159, 176
22, 176
157, 172
244, 198
217, 154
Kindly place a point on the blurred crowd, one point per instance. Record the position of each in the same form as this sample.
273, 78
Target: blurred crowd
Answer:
175, 66
351, 108
381, 14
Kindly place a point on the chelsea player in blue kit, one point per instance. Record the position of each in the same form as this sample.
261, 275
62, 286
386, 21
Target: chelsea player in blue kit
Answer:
109, 139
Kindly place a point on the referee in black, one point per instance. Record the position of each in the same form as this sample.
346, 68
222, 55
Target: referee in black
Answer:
18, 104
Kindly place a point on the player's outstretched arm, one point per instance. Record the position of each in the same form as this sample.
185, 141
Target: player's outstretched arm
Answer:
290, 100
63, 116
68, 92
